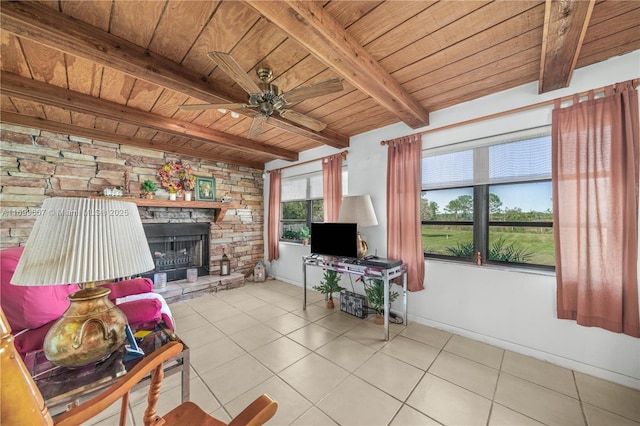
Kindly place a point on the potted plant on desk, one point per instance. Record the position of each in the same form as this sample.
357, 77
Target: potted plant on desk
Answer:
374, 289
304, 235
329, 286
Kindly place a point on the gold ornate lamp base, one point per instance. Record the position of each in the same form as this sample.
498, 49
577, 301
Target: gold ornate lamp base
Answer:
362, 247
89, 331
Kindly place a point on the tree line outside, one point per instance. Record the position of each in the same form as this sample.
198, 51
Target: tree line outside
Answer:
522, 244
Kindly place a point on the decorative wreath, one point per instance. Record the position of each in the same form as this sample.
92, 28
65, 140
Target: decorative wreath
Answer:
177, 177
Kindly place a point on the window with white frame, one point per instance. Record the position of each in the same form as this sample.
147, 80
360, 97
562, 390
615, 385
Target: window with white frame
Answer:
302, 203
491, 199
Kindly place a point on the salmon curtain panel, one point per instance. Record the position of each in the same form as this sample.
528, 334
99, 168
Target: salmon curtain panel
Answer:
273, 226
332, 186
595, 205
404, 236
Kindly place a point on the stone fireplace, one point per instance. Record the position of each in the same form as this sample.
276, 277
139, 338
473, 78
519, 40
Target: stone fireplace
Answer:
177, 247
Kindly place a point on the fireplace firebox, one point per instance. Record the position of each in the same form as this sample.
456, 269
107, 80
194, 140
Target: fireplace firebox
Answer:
176, 247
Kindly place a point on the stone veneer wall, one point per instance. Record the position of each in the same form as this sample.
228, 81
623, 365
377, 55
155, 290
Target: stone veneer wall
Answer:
36, 164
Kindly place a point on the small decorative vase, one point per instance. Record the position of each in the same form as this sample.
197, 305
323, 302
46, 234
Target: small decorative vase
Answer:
172, 196
187, 196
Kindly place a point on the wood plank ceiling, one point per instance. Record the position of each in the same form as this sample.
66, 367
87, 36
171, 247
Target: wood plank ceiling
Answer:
118, 70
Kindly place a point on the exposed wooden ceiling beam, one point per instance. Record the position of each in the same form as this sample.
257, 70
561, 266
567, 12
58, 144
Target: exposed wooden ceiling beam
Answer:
14, 85
54, 126
565, 25
58, 31
310, 25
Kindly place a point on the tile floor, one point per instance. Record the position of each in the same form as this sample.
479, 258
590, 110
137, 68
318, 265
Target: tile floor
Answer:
325, 367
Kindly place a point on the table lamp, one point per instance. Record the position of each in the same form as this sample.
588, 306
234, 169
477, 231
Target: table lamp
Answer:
84, 241
358, 209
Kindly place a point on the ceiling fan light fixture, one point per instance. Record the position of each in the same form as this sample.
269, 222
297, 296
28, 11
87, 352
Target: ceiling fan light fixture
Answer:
234, 114
222, 110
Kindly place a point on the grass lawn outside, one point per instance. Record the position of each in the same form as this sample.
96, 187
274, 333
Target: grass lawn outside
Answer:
435, 240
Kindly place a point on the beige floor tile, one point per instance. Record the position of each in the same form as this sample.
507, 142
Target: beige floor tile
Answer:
313, 336
236, 377
412, 352
609, 396
313, 312
288, 303
181, 309
488, 355
597, 416
280, 354
425, 334
537, 402
266, 312
542, 373
249, 303
346, 353
354, 402
189, 323
391, 375
465, 373
200, 336
503, 416
201, 395
313, 376
291, 404
236, 323
313, 417
369, 334
207, 357
449, 404
287, 323
254, 337
339, 322
408, 416
219, 312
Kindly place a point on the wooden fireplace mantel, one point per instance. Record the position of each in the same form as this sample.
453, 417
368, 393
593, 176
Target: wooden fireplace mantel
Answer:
220, 208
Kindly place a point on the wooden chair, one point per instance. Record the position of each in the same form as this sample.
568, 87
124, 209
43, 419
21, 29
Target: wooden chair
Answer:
22, 403
188, 413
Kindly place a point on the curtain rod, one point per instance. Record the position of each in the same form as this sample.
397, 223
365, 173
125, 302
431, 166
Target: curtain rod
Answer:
636, 82
343, 154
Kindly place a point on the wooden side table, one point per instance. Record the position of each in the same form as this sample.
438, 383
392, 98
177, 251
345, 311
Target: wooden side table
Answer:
63, 388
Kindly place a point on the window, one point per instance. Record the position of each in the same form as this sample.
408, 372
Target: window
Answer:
302, 203
491, 197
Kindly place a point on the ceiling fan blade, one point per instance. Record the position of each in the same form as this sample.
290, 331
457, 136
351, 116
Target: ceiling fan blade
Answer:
195, 107
257, 126
235, 71
323, 88
302, 119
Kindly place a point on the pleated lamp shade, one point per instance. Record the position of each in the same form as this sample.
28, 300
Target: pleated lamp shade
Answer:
83, 240
358, 209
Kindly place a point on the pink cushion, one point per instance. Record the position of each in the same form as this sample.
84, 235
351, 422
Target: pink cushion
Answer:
142, 310
129, 287
32, 340
29, 307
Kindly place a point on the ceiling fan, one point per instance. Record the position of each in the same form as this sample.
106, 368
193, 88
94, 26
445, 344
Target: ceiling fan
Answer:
267, 98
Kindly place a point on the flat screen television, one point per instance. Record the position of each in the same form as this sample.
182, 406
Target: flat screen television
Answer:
334, 239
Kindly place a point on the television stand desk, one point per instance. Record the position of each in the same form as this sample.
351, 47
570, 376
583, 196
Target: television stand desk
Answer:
355, 267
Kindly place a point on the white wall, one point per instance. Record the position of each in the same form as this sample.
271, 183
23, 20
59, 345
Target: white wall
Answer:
515, 310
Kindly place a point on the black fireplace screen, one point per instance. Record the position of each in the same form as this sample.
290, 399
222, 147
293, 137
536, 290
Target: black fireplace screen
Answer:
176, 247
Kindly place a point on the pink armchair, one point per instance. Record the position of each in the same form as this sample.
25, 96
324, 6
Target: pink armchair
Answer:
31, 311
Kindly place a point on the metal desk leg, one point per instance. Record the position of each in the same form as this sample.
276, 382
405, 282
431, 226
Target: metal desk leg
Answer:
185, 373
404, 297
386, 308
304, 285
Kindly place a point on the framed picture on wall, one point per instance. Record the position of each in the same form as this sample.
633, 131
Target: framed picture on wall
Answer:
205, 189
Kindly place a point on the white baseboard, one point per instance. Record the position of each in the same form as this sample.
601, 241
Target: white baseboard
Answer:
578, 366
